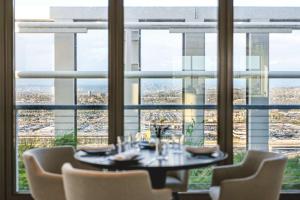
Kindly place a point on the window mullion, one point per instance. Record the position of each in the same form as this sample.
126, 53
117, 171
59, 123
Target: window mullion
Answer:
225, 78
116, 70
2, 149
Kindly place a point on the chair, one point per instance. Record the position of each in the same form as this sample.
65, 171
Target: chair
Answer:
258, 177
43, 168
177, 181
93, 185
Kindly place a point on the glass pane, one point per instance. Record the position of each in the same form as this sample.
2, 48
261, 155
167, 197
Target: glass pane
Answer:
61, 56
266, 84
170, 72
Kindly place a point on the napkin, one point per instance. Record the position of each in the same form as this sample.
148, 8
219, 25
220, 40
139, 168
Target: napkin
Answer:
94, 149
125, 156
202, 150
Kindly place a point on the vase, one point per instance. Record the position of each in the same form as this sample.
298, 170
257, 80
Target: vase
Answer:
159, 149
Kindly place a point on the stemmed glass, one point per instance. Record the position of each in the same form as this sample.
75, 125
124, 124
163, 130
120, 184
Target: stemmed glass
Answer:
127, 143
178, 143
123, 143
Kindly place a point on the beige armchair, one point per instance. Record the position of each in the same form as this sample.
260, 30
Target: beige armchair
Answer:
43, 168
93, 185
258, 177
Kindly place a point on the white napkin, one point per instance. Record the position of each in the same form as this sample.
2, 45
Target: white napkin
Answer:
202, 150
98, 148
125, 156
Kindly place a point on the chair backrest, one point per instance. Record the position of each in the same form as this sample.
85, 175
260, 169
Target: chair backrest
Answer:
52, 159
269, 174
93, 185
263, 177
43, 169
255, 159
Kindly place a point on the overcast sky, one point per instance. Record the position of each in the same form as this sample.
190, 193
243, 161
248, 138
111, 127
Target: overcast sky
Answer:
40, 8
284, 49
158, 2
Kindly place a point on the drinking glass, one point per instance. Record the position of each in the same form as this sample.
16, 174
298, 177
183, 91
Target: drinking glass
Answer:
161, 150
124, 143
179, 144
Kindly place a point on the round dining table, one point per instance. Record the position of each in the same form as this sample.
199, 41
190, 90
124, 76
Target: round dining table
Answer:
156, 168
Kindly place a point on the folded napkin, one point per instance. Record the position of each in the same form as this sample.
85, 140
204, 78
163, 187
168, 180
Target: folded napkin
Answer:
125, 156
98, 149
147, 145
202, 150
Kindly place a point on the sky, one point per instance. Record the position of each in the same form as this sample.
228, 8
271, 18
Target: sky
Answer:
159, 2
40, 8
284, 49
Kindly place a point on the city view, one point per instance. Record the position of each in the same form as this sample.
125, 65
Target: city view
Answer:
61, 96
284, 125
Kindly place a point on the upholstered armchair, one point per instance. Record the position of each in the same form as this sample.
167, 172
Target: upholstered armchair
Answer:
95, 185
43, 168
258, 177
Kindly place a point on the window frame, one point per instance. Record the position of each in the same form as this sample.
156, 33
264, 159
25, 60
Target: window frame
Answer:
116, 88
2, 91
225, 78
115, 70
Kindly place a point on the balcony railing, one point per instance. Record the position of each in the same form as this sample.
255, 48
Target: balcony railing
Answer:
175, 27
153, 74
291, 180
154, 107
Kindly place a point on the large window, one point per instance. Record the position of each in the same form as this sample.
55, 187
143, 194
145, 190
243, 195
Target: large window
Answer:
65, 56
61, 87
165, 67
266, 84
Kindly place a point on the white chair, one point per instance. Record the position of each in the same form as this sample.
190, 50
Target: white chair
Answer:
93, 185
43, 168
258, 177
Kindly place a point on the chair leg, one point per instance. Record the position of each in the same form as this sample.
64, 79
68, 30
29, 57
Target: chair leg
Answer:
175, 196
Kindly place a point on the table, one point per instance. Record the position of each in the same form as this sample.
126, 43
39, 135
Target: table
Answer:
157, 168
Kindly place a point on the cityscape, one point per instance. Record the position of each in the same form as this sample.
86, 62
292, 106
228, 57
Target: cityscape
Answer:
284, 125
62, 58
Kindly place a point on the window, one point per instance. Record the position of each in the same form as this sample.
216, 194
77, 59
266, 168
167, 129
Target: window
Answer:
176, 62
165, 69
52, 107
266, 115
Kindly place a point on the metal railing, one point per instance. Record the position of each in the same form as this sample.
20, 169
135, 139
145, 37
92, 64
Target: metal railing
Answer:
176, 27
291, 179
154, 107
153, 74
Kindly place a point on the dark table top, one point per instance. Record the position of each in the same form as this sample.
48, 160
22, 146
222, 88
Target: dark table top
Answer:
175, 161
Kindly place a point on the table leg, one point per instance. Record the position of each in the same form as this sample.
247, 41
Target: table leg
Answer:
158, 178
